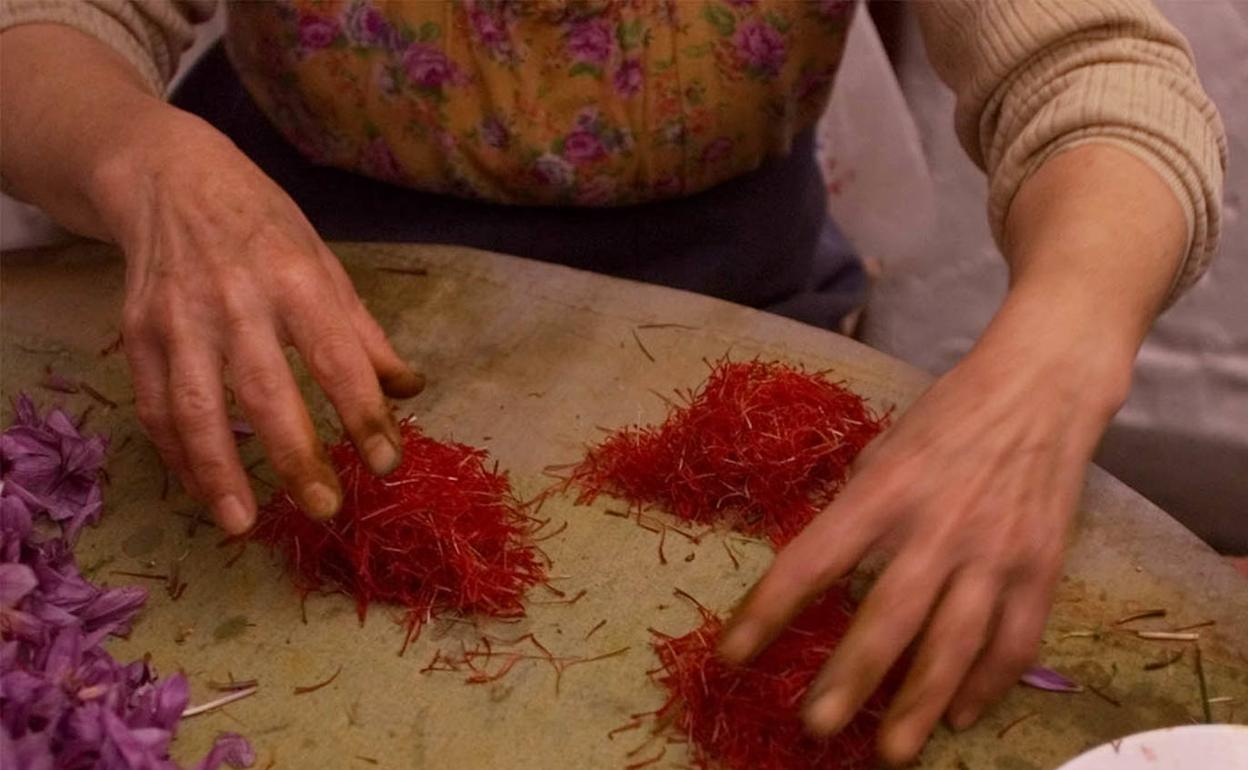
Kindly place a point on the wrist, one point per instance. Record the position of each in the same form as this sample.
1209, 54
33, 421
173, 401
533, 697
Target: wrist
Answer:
127, 177
1063, 342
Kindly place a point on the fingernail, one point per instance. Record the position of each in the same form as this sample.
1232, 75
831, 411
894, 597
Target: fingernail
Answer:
381, 454
319, 500
828, 713
960, 720
739, 642
233, 515
405, 385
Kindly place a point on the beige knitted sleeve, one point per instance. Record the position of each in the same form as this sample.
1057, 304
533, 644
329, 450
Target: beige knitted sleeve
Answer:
150, 34
1035, 77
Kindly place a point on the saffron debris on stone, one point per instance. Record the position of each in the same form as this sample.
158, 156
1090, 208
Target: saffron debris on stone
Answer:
324, 683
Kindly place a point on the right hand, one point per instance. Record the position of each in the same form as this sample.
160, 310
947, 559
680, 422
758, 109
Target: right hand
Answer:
223, 270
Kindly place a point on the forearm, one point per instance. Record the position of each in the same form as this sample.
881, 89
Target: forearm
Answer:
63, 127
1094, 239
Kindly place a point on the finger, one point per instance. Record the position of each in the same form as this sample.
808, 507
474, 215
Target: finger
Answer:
332, 350
886, 622
197, 402
273, 404
149, 374
950, 645
1013, 648
825, 551
398, 380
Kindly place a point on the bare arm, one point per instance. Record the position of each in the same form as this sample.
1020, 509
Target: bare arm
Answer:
222, 271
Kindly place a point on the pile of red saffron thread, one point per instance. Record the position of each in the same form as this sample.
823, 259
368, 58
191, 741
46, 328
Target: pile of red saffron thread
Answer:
741, 717
441, 533
761, 444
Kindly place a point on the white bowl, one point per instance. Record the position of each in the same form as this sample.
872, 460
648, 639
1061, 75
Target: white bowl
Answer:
1191, 747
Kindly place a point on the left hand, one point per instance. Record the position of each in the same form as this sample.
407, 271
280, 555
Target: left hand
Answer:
972, 491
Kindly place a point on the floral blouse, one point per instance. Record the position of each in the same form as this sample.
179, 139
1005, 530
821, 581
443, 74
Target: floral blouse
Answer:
589, 102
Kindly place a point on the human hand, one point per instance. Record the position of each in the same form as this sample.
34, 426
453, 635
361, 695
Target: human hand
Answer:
222, 271
972, 493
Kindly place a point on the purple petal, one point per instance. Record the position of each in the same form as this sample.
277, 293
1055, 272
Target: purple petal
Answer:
1047, 679
32, 751
16, 580
55, 381
231, 749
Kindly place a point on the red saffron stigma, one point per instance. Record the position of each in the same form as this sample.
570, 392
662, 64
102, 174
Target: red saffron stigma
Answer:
740, 717
442, 533
763, 445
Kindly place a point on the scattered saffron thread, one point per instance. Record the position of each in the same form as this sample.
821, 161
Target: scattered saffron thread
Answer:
477, 660
1104, 696
650, 761
314, 687
102, 399
1160, 664
1015, 723
640, 345
1142, 614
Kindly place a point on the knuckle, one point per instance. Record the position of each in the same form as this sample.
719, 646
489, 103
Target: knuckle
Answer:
192, 401
163, 310
296, 281
212, 472
334, 359
133, 321
293, 462
258, 388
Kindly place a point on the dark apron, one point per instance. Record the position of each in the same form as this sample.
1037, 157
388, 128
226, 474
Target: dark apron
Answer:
763, 239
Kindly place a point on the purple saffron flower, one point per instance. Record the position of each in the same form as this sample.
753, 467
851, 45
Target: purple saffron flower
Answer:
582, 146
230, 749
628, 77
761, 48
589, 41
427, 66
52, 467
317, 32
1047, 679
65, 703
